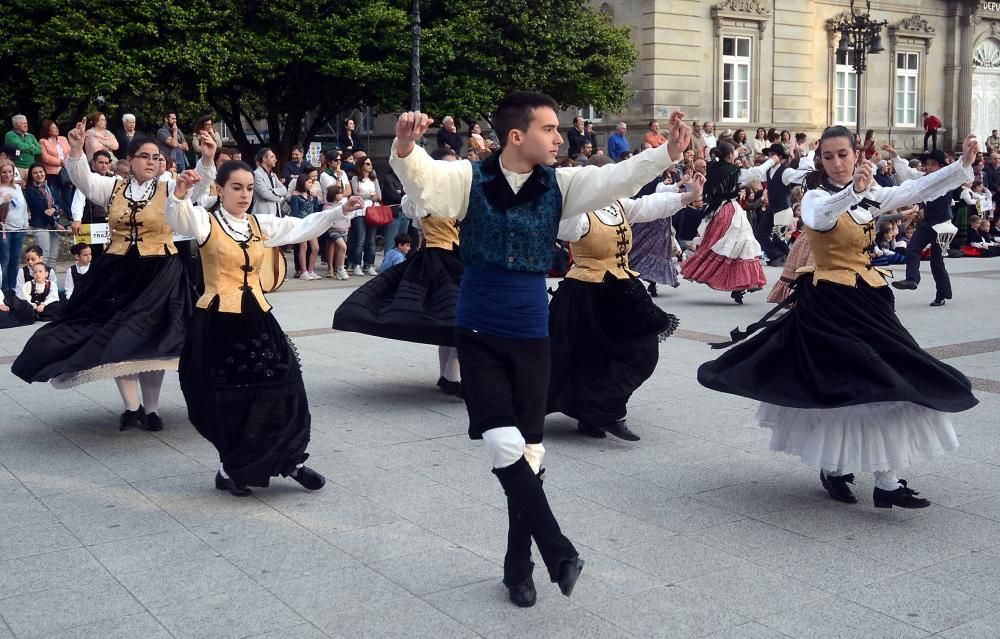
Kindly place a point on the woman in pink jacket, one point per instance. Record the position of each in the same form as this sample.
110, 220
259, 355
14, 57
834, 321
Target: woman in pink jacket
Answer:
55, 150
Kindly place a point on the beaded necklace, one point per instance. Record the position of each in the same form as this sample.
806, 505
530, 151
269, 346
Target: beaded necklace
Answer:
233, 233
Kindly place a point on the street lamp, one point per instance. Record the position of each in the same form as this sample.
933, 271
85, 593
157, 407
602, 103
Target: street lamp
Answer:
860, 36
415, 56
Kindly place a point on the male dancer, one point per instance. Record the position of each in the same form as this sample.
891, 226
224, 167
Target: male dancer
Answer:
936, 211
512, 204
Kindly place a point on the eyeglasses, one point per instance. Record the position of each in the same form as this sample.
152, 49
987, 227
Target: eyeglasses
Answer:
146, 157
335, 160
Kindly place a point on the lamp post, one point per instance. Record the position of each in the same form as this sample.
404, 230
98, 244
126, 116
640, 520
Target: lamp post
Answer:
415, 57
860, 36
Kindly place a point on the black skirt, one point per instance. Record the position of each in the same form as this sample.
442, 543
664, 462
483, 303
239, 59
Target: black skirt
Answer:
837, 346
128, 308
605, 344
414, 301
242, 383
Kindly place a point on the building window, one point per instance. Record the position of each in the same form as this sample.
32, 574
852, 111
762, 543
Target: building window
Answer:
224, 131
367, 121
591, 114
736, 79
845, 98
907, 71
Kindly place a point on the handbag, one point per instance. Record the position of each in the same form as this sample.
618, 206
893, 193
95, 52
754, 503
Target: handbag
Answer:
378, 215
273, 270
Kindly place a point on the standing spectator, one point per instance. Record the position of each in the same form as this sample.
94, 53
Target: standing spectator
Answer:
617, 142
174, 138
884, 175
305, 204
334, 173
653, 136
869, 147
26, 147
931, 125
392, 195
759, 141
786, 141
84, 211
698, 140
348, 144
268, 191
55, 150
448, 137
588, 132
992, 142
477, 142
293, 168
99, 138
44, 205
743, 150
586, 152
206, 125
991, 173
127, 132
576, 137
15, 227
361, 241
709, 135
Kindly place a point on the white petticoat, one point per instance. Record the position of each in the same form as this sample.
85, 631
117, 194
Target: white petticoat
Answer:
738, 242
864, 438
116, 369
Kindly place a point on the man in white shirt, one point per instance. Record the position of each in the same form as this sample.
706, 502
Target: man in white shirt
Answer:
708, 135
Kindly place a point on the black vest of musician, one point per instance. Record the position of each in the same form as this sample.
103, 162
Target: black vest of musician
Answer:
779, 195
938, 210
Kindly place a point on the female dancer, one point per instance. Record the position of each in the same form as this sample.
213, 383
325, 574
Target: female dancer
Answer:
604, 329
727, 259
845, 387
127, 319
239, 373
653, 246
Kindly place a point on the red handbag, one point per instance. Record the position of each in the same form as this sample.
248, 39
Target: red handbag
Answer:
378, 215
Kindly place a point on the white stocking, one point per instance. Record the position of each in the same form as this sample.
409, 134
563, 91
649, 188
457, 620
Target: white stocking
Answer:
505, 445
534, 453
886, 480
151, 383
448, 363
129, 389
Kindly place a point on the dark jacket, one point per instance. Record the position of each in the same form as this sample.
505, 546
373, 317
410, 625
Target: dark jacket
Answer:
453, 140
37, 204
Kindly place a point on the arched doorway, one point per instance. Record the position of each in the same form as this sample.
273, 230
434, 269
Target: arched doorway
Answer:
986, 88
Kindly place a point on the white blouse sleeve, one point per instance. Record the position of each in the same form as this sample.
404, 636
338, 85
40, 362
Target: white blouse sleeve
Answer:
96, 188
188, 219
820, 209
794, 176
663, 187
409, 208
968, 197
756, 174
24, 291
434, 185
68, 283
652, 207
571, 229
589, 188
904, 170
19, 285
922, 189
292, 230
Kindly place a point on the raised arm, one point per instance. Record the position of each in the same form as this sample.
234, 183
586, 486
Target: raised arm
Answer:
661, 205
433, 185
182, 215
922, 189
96, 188
281, 231
757, 173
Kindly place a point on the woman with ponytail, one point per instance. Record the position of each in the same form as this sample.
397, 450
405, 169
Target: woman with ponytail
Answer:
239, 372
842, 384
728, 255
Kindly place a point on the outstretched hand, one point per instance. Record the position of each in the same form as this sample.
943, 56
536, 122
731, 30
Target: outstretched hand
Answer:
863, 176
353, 203
76, 137
185, 181
891, 152
696, 185
410, 127
680, 136
970, 150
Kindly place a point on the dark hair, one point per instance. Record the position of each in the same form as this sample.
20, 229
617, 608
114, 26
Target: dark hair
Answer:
231, 151
359, 167
228, 168
516, 111
783, 132
139, 141
724, 149
103, 154
261, 152
333, 154
651, 123
77, 248
332, 192
736, 136
818, 176
869, 134
168, 157
95, 116
759, 129
34, 248
300, 182
46, 125
200, 122
167, 114
298, 147
441, 153
402, 238
36, 165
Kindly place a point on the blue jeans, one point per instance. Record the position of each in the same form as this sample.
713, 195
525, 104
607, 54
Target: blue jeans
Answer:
10, 257
398, 225
361, 243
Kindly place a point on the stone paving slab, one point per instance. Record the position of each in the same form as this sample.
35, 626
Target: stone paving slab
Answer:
695, 531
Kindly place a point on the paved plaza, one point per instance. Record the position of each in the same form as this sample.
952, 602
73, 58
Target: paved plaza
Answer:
695, 531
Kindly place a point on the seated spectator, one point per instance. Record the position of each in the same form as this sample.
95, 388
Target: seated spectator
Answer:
980, 242
42, 293
336, 246
32, 255
885, 252
398, 254
74, 274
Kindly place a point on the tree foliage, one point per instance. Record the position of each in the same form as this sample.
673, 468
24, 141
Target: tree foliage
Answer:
297, 67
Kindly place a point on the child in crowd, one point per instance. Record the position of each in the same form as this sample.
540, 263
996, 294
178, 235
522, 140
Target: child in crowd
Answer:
398, 254
885, 252
42, 293
980, 242
304, 204
74, 274
336, 246
32, 255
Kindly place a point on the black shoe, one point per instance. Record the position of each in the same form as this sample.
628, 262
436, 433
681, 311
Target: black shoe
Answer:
131, 419
777, 262
450, 388
837, 487
523, 595
227, 483
308, 478
738, 296
569, 572
905, 285
621, 430
152, 423
938, 302
652, 290
903, 497
591, 431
